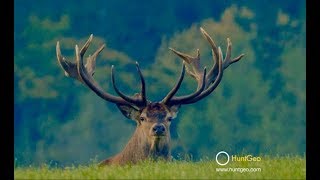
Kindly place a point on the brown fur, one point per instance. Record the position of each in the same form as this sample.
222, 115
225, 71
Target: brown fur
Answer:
143, 144
152, 135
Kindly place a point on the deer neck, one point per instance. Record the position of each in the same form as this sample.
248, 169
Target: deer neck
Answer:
141, 147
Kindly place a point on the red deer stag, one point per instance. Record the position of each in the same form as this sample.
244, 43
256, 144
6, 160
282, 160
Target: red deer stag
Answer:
151, 138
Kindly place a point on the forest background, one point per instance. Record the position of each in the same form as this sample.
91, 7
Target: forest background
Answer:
259, 108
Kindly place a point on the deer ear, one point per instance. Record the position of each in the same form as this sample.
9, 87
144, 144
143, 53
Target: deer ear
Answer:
129, 111
174, 110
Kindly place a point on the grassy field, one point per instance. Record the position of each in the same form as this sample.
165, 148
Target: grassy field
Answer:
270, 168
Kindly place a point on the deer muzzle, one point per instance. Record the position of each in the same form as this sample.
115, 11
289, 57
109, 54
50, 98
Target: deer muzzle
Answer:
158, 129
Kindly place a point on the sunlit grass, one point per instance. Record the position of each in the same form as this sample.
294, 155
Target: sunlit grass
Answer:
293, 167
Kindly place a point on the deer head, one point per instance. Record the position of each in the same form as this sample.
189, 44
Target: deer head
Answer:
152, 135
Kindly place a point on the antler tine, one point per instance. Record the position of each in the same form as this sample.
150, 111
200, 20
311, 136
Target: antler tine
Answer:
187, 58
136, 101
69, 68
176, 87
227, 61
196, 71
86, 45
215, 55
210, 40
185, 99
228, 52
91, 60
143, 85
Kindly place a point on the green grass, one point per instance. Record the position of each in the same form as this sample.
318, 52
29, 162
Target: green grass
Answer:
271, 168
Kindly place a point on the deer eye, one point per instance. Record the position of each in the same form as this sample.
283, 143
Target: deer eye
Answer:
142, 119
170, 119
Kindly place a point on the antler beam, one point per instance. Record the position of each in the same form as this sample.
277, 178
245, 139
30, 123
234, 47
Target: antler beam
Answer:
84, 73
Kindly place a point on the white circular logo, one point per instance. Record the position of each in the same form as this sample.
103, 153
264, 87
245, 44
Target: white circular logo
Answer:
222, 152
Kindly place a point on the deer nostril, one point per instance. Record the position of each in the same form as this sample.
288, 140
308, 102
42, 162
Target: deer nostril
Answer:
154, 128
159, 128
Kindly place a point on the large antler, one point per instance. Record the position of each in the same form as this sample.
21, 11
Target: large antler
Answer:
206, 83
84, 73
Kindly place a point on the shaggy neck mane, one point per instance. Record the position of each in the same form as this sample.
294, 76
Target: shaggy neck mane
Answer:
140, 148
